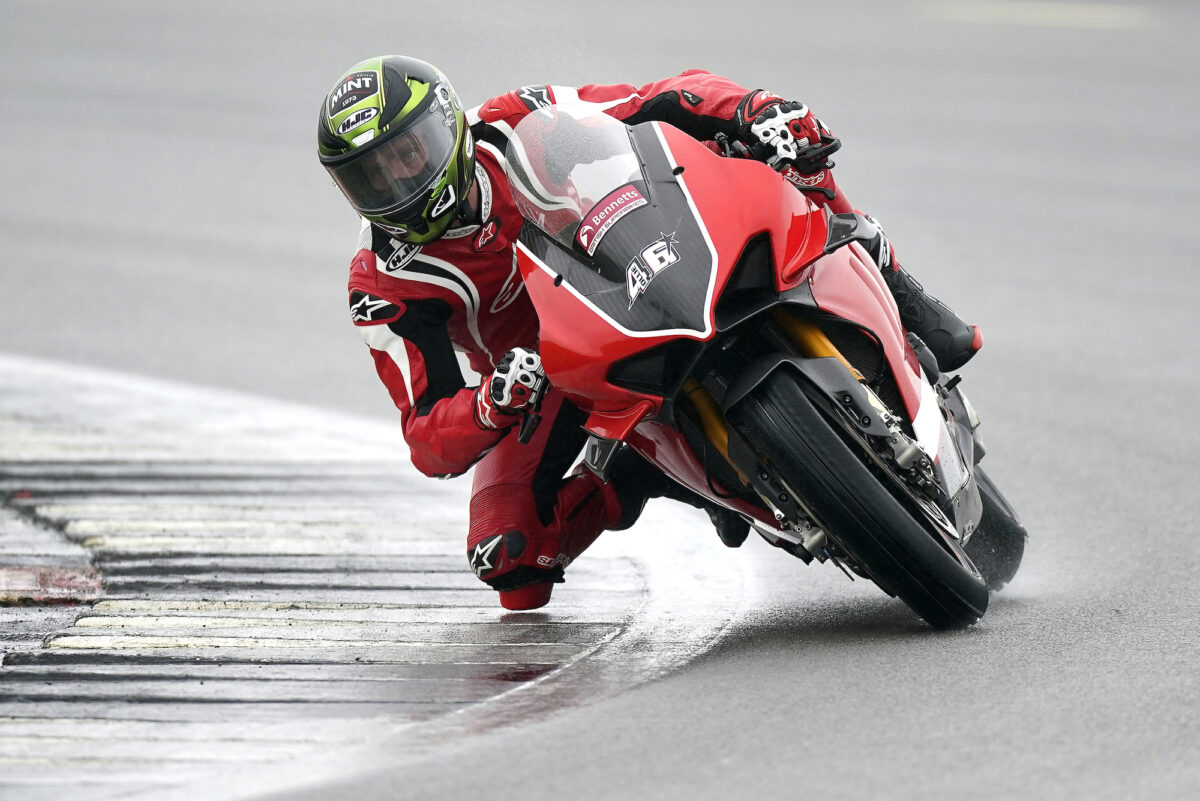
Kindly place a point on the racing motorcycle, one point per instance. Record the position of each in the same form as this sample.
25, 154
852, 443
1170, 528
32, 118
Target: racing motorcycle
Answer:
703, 312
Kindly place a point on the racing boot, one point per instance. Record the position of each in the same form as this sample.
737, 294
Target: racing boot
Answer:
636, 481
951, 339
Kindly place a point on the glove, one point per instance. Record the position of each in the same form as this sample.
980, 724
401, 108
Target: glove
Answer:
785, 134
515, 387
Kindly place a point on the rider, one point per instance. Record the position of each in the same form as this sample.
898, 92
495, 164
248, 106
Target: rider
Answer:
434, 273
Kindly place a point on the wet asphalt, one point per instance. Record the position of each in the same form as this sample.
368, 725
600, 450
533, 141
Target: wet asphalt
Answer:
1034, 164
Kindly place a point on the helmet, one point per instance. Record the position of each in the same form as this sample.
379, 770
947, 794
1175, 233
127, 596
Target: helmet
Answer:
394, 137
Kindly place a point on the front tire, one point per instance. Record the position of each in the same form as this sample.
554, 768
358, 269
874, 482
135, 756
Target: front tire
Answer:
854, 507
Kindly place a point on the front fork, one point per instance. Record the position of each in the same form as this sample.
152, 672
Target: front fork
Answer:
807, 540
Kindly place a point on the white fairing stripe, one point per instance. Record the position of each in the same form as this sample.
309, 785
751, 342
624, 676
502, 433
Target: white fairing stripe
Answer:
383, 339
928, 425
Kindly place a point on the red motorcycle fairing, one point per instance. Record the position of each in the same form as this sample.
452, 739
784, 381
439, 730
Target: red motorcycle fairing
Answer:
580, 342
847, 284
580, 338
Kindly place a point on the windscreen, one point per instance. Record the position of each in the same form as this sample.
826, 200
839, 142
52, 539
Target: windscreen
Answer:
572, 172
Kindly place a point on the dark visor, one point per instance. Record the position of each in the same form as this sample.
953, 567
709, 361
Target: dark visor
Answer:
398, 172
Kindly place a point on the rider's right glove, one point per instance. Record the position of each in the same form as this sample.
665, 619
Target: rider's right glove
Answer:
515, 387
785, 133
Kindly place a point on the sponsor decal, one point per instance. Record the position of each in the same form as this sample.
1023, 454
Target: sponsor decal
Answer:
366, 308
441, 94
445, 202
357, 120
486, 234
484, 557
604, 215
692, 99
758, 102
804, 181
403, 254
561, 559
511, 289
535, 97
646, 266
354, 87
468, 144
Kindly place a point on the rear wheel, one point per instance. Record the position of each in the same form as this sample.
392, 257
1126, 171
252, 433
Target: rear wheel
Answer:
872, 521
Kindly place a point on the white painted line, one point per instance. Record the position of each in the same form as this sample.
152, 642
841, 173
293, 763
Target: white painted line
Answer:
1045, 14
150, 642
282, 621
311, 546
78, 528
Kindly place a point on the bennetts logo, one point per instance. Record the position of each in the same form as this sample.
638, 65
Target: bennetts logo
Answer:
605, 214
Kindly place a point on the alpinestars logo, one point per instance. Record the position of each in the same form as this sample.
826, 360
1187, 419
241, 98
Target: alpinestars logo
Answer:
803, 181
510, 290
535, 97
646, 266
486, 234
484, 557
366, 308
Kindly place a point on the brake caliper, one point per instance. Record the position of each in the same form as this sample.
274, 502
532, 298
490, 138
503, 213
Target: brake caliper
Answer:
904, 451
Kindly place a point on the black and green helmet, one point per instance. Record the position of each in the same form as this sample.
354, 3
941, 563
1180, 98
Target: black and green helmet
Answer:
394, 137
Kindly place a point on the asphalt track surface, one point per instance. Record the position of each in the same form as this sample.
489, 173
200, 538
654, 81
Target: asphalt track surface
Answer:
1035, 163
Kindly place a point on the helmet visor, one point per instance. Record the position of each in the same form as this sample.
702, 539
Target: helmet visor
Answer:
397, 174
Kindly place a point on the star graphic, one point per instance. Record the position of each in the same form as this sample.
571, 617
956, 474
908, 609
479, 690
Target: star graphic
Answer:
365, 309
482, 553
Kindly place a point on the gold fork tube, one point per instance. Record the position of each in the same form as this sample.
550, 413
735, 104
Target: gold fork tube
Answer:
711, 420
810, 339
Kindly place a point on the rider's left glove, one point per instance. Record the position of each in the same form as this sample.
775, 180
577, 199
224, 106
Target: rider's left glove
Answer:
516, 386
785, 133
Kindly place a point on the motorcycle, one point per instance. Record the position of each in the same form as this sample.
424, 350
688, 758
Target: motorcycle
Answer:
703, 312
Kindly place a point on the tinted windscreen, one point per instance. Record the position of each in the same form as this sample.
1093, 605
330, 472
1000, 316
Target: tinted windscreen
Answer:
619, 227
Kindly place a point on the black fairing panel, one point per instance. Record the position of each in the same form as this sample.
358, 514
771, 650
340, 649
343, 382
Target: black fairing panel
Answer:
675, 296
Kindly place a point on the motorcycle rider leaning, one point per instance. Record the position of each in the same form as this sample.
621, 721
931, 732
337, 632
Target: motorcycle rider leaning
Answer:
434, 273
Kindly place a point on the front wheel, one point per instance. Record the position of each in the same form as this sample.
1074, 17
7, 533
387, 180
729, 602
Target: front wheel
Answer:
854, 507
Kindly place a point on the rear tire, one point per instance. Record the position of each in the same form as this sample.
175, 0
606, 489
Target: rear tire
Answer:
998, 544
856, 510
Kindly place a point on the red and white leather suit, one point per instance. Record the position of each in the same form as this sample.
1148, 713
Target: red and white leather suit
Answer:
415, 306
